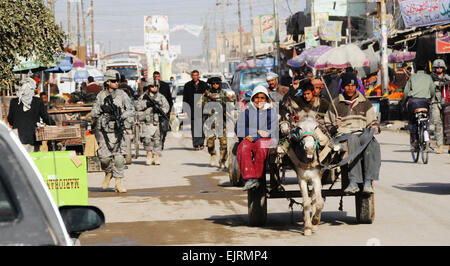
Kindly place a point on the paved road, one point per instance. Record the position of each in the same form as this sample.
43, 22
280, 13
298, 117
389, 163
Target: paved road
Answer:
186, 202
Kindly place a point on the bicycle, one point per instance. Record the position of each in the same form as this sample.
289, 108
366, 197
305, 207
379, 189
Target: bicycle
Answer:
421, 115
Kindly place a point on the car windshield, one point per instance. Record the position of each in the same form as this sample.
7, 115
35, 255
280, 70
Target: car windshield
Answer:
130, 72
225, 85
253, 77
180, 90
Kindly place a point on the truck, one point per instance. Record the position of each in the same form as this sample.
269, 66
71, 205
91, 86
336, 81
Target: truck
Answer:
128, 67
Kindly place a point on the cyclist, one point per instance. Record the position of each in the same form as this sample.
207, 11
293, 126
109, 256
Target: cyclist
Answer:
420, 89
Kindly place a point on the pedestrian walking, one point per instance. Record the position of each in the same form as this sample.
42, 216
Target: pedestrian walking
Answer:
154, 107
192, 94
111, 108
25, 112
217, 128
440, 80
164, 89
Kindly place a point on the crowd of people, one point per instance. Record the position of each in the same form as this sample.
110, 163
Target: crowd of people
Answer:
342, 111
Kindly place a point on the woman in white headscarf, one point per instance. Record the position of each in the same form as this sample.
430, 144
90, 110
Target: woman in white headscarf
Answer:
257, 130
25, 112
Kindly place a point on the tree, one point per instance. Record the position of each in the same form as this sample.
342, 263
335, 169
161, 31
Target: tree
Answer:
28, 30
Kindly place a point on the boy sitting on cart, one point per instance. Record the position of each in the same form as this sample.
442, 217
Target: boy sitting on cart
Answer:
352, 119
257, 130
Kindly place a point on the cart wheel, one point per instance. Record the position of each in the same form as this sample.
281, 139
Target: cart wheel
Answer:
365, 208
257, 205
233, 169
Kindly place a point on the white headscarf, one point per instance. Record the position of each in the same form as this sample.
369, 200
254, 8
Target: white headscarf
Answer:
260, 89
26, 92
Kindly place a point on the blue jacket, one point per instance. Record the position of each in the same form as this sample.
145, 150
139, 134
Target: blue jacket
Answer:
253, 119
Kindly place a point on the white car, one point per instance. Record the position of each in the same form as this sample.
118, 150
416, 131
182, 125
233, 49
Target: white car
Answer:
28, 213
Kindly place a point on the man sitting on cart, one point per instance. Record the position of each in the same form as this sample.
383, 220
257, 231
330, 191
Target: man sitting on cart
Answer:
257, 130
352, 118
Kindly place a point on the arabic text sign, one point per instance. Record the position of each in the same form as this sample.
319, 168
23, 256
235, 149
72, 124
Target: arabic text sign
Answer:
267, 24
417, 13
330, 30
442, 42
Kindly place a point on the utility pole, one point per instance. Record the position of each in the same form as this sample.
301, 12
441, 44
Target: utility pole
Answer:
384, 55
224, 38
206, 41
313, 21
68, 22
92, 30
241, 54
349, 23
83, 16
253, 32
277, 37
216, 68
78, 29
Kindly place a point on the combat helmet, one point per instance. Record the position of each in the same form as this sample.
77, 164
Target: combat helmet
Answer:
439, 63
111, 74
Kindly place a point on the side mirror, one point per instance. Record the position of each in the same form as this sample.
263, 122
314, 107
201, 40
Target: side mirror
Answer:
79, 219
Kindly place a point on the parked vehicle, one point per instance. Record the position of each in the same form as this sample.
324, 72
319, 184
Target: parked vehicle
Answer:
28, 213
227, 88
129, 68
247, 79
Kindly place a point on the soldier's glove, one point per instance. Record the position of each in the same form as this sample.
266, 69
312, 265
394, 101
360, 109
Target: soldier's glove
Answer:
107, 109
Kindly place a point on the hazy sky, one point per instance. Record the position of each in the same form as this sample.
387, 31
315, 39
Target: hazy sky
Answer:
120, 23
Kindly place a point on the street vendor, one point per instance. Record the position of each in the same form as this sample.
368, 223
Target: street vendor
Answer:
355, 114
25, 112
111, 109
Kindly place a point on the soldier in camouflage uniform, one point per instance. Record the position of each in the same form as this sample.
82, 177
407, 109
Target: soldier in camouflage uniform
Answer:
215, 94
439, 79
111, 108
153, 106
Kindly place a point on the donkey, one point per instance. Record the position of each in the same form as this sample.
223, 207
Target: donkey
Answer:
303, 152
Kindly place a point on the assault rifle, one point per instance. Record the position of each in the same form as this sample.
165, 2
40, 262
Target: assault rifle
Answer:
155, 106
115, 114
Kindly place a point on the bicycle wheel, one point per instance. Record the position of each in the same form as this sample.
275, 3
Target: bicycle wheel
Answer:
424, 146
416, 153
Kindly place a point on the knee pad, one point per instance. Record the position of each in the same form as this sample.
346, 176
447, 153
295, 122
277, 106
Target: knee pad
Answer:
119, 162
104, 162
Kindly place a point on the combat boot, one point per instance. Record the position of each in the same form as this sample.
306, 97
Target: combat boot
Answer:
156, 160
440, 149
212, 161
149, 158
106, 181
119, 186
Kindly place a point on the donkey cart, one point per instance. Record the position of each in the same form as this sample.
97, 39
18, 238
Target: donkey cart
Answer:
272, 188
